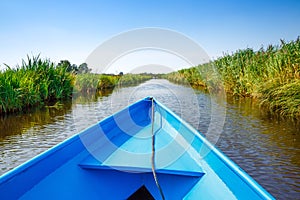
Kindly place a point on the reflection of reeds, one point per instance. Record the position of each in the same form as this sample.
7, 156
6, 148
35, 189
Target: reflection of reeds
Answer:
18, 123
35, 82
272, 75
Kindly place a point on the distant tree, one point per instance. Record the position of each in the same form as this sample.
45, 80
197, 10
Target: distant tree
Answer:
64, 63
83, 69
121, 74
70, 68
74, 68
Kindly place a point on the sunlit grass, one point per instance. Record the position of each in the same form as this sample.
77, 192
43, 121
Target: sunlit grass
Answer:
38, 81
96, 82
35, 82
271, 75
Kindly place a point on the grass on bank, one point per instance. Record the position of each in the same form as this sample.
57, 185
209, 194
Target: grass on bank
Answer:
38, 81
271, 75
96, 82
33, 83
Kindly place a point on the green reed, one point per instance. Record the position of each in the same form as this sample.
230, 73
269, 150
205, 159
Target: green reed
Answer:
90, 82
271, 75
35, 82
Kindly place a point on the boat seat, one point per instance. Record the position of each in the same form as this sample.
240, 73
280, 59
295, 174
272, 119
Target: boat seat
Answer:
91, 163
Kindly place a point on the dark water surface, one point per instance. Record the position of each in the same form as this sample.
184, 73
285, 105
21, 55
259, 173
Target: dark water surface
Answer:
266, 148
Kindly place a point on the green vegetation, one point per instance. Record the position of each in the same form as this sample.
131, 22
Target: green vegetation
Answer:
271, 75
89, 82
92, 82
132, 79
37, 81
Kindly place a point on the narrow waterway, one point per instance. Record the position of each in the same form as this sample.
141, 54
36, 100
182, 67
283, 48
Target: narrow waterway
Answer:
267, 148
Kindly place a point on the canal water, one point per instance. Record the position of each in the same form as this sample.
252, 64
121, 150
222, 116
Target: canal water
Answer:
267, 148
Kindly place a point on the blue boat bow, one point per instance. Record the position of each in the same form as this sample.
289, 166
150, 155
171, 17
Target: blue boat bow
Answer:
113, 159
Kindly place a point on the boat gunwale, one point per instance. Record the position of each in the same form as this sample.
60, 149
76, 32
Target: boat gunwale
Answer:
257, 188
36, 159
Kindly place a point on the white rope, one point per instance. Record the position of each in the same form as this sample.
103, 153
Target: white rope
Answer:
153, 153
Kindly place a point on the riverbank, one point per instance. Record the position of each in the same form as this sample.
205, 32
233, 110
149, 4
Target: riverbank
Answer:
97, 82
34, 83
271, 75
38, 82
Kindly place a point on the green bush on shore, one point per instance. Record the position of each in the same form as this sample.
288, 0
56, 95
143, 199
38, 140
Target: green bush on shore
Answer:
271, 75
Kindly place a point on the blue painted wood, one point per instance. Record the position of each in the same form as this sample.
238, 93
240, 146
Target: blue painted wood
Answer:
111, 160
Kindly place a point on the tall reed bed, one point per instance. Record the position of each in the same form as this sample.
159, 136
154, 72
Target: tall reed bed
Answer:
132, 79
92, 82
270, 74
96, 82
250, 73
35, 82
38, 81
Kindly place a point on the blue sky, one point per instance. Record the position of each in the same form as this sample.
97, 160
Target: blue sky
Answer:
73, 29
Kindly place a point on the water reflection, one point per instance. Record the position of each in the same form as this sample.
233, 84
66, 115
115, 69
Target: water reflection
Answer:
268, 149
15, 124
85, 98
24, 135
